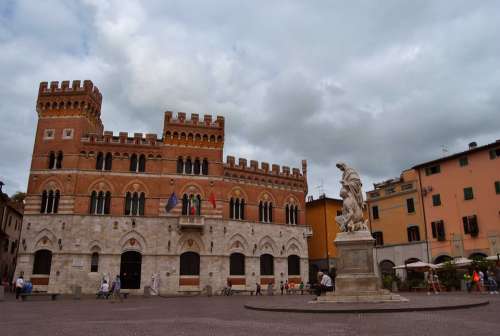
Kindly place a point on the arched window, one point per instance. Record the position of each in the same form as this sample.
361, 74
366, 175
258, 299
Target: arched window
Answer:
189, 263
142, 163
413, 233
52, 160
261, 212
291, 214
212, 138
107, 203
204, 168
387, 268
188, 169
44, 202
133, 163
293, 265
128, 203
191, 205
197, 167
185, 205
231, 208
270, 212
100, 202
237, 209
135, 203
59, 160
43, 262
266, 213
94, 262
180, 165
108, 162
242, 209
50, 201
237, 264
99, 161
142, 204
266, 264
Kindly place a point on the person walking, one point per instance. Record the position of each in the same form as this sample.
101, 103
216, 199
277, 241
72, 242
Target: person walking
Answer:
287, 287
19, 286
468, 281
116, 289
282, 288
257, 289
301, 287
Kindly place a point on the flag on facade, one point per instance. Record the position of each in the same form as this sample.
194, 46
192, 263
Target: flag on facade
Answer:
211, 199
193, 201
172, 202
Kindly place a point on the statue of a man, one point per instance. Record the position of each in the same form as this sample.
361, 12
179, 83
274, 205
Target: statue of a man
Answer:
352, 218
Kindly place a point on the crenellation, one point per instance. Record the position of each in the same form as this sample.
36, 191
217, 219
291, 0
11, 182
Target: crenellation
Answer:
254, 165
264, 166
207, 118
230, 160
286, 170
181, 117
242, 163
296, 172
195, 118
275, 169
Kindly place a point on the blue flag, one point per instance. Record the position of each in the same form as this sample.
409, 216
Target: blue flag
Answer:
172, 202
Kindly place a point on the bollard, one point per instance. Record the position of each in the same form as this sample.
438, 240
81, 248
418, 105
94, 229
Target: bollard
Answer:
147, 291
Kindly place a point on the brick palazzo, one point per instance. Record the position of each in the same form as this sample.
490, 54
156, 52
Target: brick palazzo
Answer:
96, 204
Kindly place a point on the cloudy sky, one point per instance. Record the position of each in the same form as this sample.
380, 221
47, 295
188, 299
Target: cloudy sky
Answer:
380, 85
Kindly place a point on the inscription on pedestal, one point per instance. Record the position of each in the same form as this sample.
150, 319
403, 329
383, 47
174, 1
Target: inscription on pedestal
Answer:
355, 261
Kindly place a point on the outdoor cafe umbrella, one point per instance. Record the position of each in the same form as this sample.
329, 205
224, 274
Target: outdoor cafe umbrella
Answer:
457, 262
418, 266
494, 258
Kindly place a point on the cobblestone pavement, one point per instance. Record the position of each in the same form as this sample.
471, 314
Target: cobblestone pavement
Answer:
226, 316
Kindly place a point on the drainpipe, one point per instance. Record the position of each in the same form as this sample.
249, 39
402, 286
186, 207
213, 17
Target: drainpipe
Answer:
425, 220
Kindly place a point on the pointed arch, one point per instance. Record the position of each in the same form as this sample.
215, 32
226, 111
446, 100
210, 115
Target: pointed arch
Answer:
101, 184
293, 246
190, 243
137, 244
51, 183
45, 239
130, 187
193, 188
270, 197
237, 243
95, 246
268, 245
238, 192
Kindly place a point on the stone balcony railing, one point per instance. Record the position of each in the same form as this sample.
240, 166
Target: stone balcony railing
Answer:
191, 222
308, 232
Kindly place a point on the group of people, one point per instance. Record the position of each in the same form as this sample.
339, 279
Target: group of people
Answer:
105, 291
481, 281
19, 285
285, 287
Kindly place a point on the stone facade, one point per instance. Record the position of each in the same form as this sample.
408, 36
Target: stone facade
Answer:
81, 216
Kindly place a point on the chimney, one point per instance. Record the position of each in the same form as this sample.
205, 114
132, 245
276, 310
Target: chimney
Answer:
472, 145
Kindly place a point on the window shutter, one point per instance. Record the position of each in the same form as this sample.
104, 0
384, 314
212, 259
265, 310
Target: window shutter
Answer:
434, 229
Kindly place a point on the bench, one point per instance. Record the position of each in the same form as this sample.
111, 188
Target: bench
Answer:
297, 290
53, 296
190, 292
242, 291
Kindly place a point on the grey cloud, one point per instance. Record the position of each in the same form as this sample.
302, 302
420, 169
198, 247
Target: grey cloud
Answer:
379, 85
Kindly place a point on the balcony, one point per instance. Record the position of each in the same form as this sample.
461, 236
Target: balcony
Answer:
192, 222
308, 232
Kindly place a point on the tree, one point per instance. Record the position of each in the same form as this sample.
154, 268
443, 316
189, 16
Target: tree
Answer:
18, 197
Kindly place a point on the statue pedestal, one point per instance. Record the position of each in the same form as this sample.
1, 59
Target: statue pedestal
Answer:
356, 280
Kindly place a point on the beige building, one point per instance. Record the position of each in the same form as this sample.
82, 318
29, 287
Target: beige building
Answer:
397, 222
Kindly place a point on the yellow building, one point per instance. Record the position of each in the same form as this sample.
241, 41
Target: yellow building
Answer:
397, 221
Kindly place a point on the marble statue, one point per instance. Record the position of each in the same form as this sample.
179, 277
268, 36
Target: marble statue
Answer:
352, 218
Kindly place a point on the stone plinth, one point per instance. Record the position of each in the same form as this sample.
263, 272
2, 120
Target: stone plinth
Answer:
356, 280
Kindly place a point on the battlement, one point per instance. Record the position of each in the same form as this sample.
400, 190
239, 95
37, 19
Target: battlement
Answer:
76, 89
149, 139
61, 99
275, 170
194, 121
205, 132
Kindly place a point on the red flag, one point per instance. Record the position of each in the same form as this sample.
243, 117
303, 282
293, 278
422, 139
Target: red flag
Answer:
211, 199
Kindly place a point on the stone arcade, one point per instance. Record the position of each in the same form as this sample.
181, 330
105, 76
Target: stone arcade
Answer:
96, 205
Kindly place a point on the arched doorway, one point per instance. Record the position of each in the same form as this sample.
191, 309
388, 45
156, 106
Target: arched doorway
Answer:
190, 263
130, 270
43, 262
293, 265
442, 258
387, 268
477, 256
411, 275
